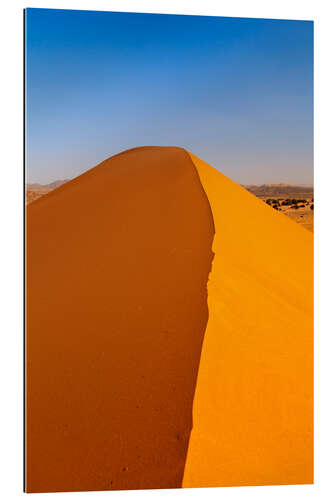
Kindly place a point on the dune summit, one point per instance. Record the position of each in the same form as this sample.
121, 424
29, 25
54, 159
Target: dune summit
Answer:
152, 362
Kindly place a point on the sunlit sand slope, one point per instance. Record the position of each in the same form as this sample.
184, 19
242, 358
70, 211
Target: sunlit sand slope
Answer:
117, 267
252, 414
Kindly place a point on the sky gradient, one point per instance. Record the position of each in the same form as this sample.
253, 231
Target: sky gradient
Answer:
238, 93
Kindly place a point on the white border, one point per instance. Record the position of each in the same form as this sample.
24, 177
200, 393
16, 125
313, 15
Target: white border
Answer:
11, 242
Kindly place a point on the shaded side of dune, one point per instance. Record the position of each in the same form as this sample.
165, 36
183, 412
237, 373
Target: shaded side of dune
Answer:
253, 404
117, 268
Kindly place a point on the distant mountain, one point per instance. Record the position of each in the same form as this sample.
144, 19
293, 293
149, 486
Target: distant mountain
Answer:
279, 190
50, 186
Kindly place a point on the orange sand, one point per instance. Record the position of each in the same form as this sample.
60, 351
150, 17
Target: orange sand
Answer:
252, 414
117, 267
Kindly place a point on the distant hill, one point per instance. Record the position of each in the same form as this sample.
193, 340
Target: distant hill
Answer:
279, 190
52, 185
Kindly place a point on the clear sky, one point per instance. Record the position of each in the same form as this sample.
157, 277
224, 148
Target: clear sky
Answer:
238, 93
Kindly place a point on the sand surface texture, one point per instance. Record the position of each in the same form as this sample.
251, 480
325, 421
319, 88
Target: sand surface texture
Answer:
117, 267
136, 378
252, 413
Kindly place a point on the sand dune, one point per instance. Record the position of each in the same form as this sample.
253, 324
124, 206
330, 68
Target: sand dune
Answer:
252, 414
117, 268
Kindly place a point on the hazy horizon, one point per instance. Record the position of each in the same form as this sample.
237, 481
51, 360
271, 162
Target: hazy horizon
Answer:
238, 93
241, 183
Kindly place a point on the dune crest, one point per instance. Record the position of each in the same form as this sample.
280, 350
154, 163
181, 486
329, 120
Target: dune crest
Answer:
253, 404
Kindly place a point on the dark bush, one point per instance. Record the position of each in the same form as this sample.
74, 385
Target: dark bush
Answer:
288, 201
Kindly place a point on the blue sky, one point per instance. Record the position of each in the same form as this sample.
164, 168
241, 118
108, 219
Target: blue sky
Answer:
238, 93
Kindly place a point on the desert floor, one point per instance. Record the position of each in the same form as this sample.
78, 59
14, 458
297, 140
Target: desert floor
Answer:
34, 194
300, 212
